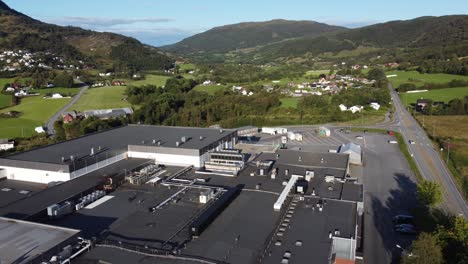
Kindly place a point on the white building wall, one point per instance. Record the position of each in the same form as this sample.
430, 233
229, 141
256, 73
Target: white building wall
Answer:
168, 159
32, 175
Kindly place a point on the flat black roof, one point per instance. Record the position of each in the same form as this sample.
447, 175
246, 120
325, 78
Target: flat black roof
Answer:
311, 227
40, 200
308, 159
12, 191
120, 138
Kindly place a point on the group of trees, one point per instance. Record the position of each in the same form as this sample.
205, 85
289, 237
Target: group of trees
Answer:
455, 106
88, 125
447, 242
39, 79
404, 87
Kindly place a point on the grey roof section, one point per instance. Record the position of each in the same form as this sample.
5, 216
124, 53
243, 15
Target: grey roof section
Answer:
352, 192
308, 159
117, 140
350, 147
21, 242
312, 228
12, 191
39, 201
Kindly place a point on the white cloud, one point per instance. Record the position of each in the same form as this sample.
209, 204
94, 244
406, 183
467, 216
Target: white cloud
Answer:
100, 22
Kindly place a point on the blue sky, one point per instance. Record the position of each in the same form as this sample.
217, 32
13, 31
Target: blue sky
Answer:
160, 22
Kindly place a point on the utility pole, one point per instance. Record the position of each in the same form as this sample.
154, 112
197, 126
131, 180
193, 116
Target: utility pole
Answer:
448, 150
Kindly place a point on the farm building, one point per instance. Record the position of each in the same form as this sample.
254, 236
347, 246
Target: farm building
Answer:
354, 151
64, 161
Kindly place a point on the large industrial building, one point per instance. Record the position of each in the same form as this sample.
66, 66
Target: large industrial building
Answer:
64, 161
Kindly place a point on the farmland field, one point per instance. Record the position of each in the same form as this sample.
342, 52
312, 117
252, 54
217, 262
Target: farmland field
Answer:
453, 127
211, 89
444, 95
158, 80
289, 102
35, 112
418, 79
102, 98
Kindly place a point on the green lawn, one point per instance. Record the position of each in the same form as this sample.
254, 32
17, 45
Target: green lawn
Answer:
35, 112
289, 102
316, 73
420, 79
102, 98
211, 89
444, 95
187, 67
158, 80
5, 100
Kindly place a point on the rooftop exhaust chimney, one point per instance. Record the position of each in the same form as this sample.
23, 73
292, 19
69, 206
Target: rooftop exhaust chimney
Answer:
221, 131
177, 143
154, 141
321, 160
159, 143
201, 137
92, 151
99, 148
72, 158
63, 159
183, 139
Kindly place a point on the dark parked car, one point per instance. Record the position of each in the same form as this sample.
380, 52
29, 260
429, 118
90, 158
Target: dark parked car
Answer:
403, 219
406, 231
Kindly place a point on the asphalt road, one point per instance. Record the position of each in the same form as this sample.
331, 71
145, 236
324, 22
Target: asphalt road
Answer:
427, 158
50, 123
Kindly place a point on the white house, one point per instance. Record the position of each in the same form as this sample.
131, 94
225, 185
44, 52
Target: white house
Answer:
39, 130
21, 93
343, 107
10, 89
6, 145
207, 82
355, 108
56, 95
375, 105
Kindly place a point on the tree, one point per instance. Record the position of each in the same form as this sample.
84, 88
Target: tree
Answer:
429, 193
59, 130
376, 74
63, 80
425, 249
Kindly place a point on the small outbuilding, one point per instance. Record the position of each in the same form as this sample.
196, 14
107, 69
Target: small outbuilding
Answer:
354, 151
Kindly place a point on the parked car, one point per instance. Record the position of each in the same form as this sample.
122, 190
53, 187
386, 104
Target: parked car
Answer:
406, 231
404, 226
403, 219
392, 142
411, 142
359, 137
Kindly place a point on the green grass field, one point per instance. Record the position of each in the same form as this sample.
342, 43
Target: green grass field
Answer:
211, 89
158, 80
5, 100
316, 73
35, 112
289, 102
102, 98
187, 66
444, 95
420, 79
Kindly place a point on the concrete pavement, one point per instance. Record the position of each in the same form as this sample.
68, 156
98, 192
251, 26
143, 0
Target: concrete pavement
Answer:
427, 158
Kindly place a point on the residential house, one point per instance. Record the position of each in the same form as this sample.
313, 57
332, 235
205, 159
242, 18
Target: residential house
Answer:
375, 105
343, 107
6, 145
355, 108
422, 103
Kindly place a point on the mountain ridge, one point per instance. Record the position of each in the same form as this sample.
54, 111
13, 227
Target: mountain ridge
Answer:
101, 48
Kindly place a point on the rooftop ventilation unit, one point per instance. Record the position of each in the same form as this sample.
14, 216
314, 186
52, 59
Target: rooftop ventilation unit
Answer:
63, 159
201, 138
92, 152
159, 143
177, 143
72, 158
300, 159
183, 139
154, 141
221, 131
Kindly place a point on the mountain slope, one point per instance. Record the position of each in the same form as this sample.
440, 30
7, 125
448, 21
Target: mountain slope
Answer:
247, 35
18, 31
